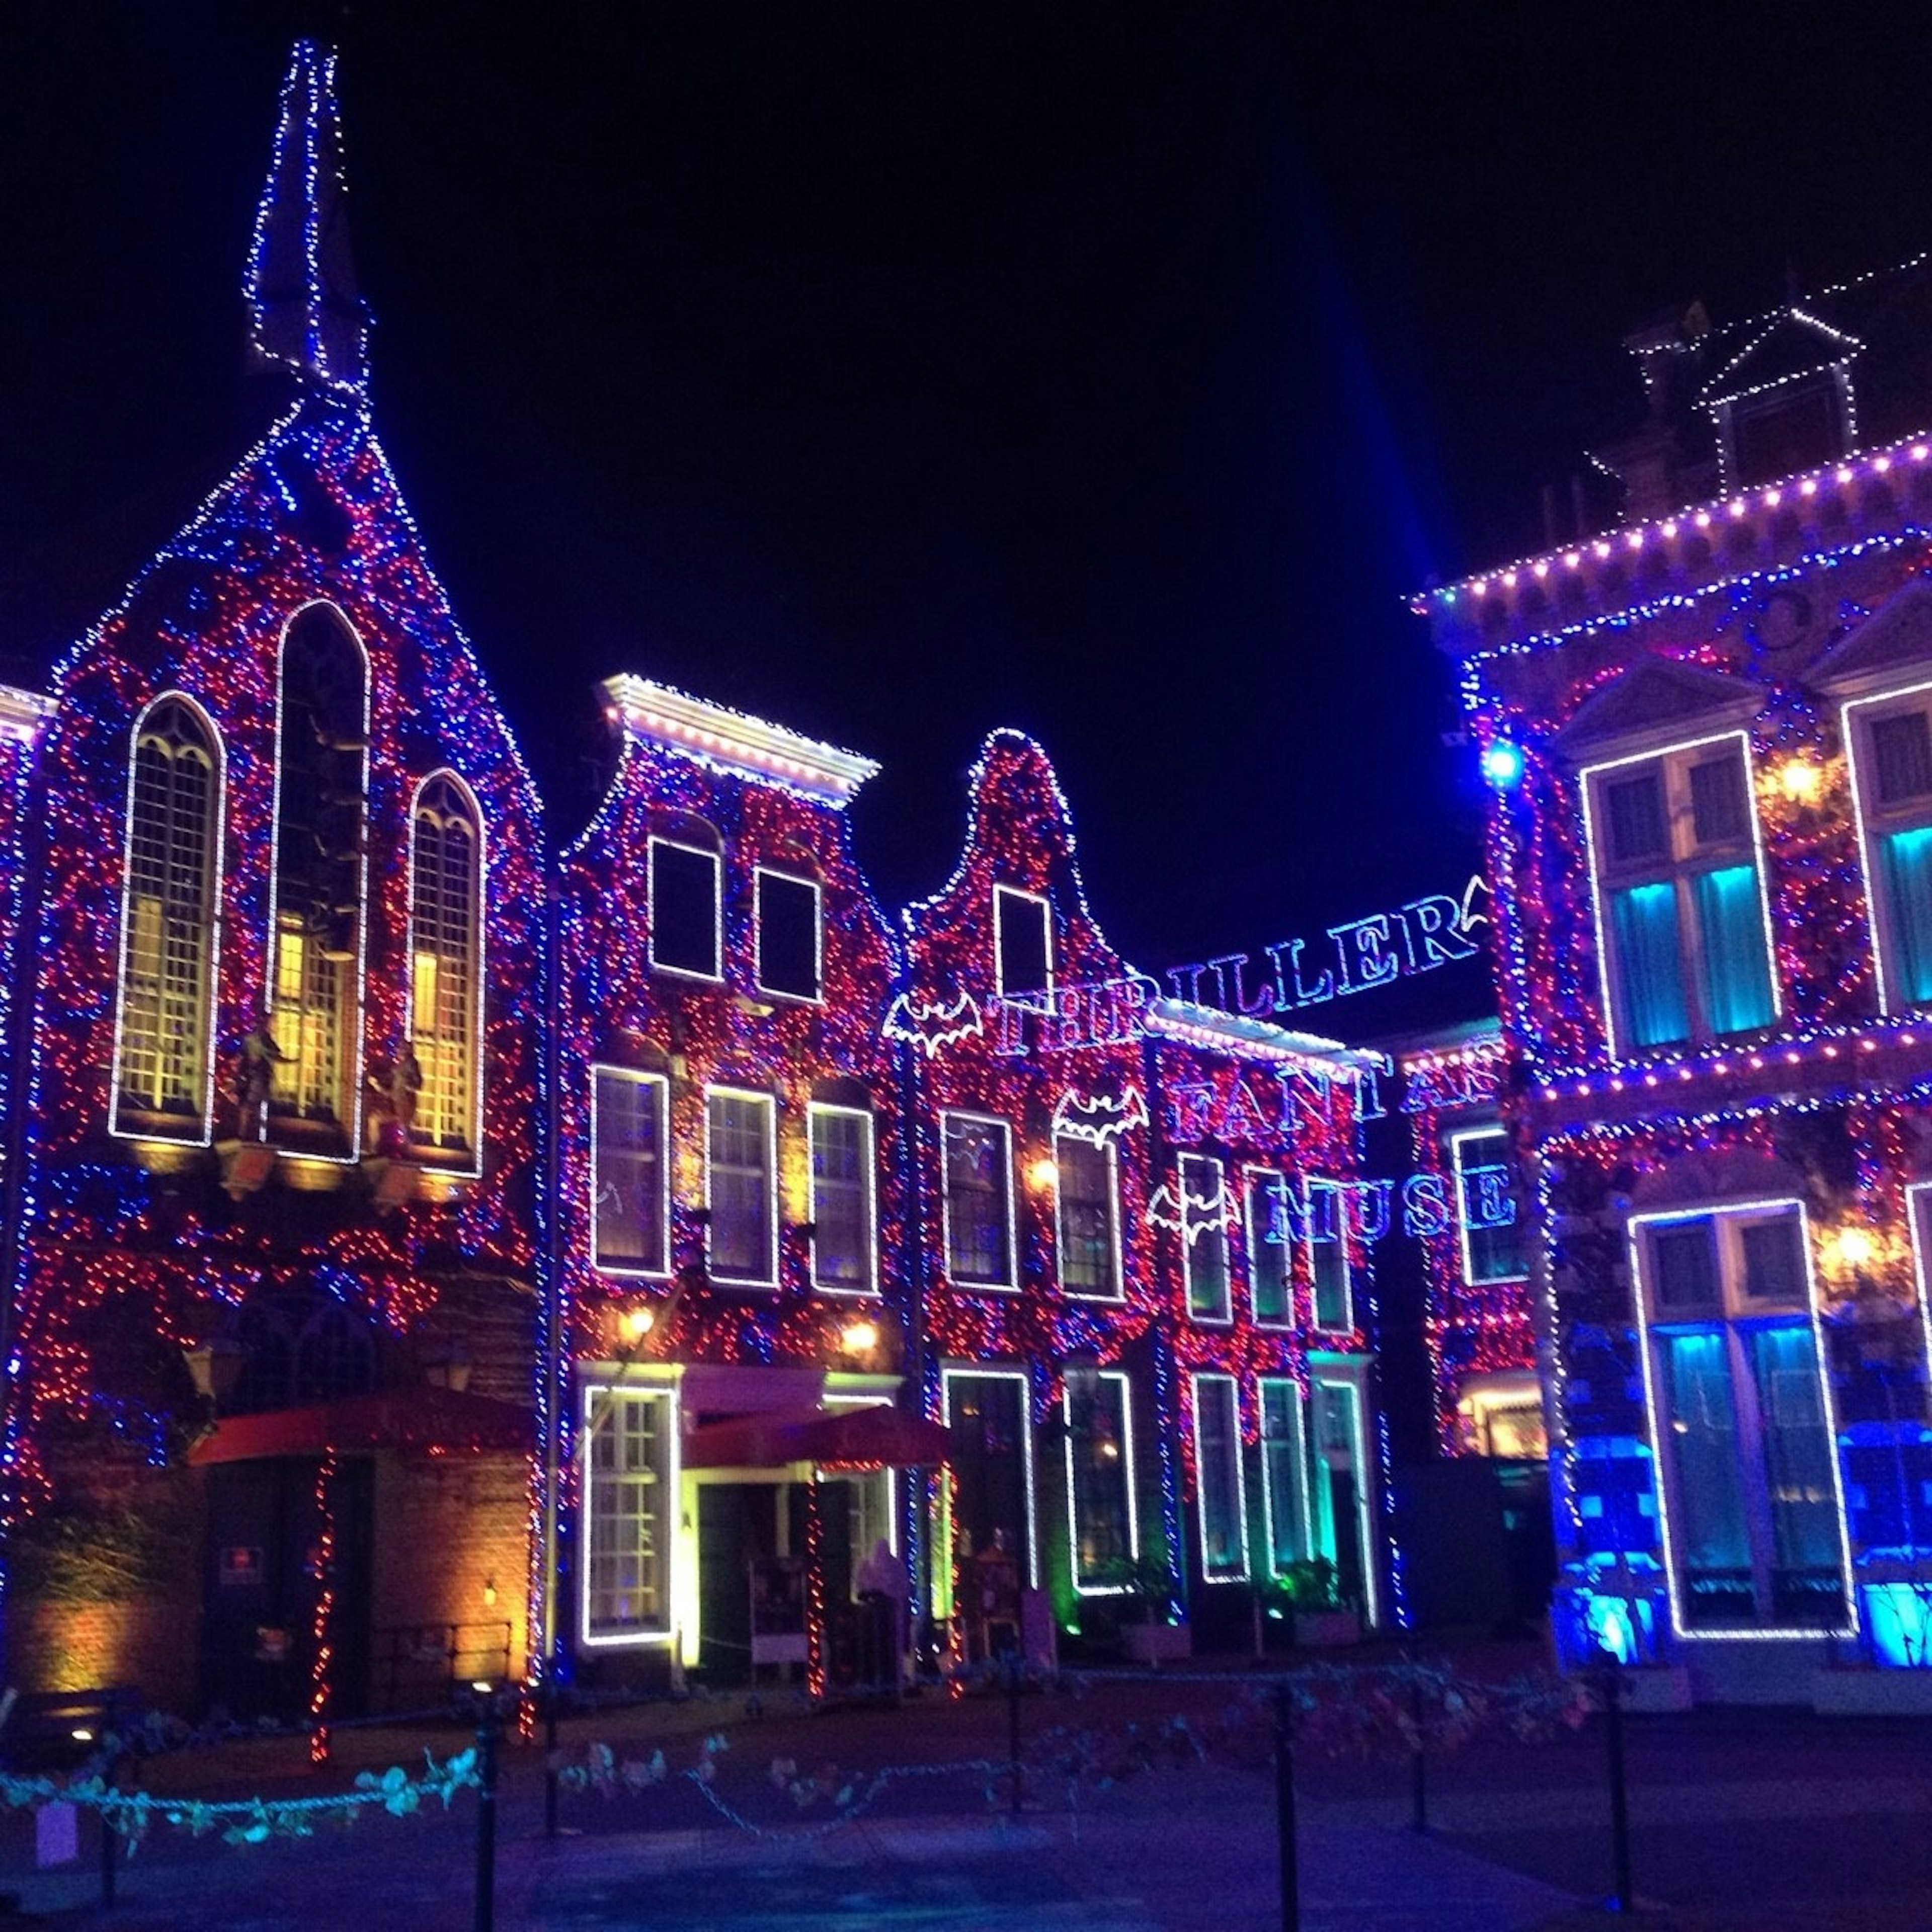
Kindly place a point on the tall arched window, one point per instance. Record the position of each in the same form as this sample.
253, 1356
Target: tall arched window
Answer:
446, 962
322, 755
167, 924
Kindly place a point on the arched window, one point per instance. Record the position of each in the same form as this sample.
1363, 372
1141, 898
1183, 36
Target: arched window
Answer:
322, 756
167, 924
446, 962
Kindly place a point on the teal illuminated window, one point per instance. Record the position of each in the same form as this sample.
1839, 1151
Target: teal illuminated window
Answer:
1686, 954
1649, 964
1891, 763
1743, 1437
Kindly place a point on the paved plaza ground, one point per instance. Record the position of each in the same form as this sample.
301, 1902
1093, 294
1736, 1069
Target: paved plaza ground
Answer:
1745, 1819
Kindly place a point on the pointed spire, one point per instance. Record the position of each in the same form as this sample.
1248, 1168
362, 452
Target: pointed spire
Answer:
303, 309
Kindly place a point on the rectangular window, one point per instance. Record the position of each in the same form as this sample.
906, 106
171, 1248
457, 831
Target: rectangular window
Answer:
1098, 1413
629, 1217
842, 1199
738, 1164
1331, 1280
1217, 1451
1204, 1235
1743, 1435
789, 944
1889, 740
978, 1201
1270, 1273
988, 1505
1089, 1262
686, 914
1022, 942
1284, 1472
1678, 877
1341, 1508
631, 1462
1493, 1229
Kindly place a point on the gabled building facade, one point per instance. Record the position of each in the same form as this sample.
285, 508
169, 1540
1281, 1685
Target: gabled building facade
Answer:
1708, 731
731, 1207
1145, 1313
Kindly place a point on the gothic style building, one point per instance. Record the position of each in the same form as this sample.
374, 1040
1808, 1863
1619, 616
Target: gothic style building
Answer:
430, 1254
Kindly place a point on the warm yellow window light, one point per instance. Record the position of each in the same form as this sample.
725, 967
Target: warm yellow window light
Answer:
1850, 1249
1801, 781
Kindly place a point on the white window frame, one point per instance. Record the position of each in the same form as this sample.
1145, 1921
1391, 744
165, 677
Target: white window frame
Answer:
600, 1398
770, 1280
1106, 1150
1046, 904
1459, 1168
1726, 1316
815, 1111
760, 874
1675, 867
204, 1133
1877, 895
716, 861
1191, 1231
1010, 1286
1119, 1376
1365, 1475
1324, 1184
354, 1019
1299, 1504
1256, 1183
1246, 1571
949, 1374
479, 943
661, 1101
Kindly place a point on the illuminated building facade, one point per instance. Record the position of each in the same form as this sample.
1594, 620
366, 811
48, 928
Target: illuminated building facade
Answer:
430, 1256
1144, 1311
1709, 737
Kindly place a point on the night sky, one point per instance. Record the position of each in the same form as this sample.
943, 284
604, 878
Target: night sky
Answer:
898, 372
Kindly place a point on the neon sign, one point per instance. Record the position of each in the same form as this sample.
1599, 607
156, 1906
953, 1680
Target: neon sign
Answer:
1322, 1209
1435, 930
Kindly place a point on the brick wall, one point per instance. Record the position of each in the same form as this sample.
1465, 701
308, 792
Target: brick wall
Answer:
449, 1528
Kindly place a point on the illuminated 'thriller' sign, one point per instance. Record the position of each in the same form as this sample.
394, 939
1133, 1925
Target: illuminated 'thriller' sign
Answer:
1417, 937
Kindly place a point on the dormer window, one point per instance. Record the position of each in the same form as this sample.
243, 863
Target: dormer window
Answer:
1678, 879
1783, 403
1889, 743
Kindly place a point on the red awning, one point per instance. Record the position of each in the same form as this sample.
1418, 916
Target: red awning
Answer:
874, 1438
418, 1418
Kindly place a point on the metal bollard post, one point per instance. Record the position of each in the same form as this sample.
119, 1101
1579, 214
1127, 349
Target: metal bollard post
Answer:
550, 1758
1284, 1808
489, 1734
1013, 1723
1420, 1820
108, 1836
1621, 1900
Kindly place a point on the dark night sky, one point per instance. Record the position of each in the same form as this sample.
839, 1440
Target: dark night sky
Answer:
900, 372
